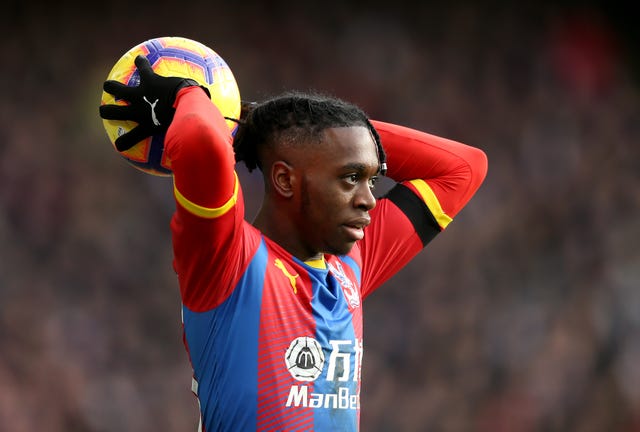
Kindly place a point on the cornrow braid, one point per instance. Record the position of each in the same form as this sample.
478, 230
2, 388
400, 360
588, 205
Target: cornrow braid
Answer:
295, 117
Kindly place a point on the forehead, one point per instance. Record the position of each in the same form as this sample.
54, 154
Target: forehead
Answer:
349, 145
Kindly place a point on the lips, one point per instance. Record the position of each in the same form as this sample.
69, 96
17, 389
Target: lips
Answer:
355, 228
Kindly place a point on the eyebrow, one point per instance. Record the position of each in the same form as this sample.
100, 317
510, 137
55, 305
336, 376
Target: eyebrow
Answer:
355, 166
359, 167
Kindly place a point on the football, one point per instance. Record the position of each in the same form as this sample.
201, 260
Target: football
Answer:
171, 56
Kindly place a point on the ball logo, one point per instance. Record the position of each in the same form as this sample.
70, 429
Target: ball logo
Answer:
304, 359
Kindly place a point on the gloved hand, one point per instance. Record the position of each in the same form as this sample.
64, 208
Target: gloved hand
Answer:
150, 103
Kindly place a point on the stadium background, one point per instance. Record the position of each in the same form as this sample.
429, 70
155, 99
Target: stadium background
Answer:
524, 316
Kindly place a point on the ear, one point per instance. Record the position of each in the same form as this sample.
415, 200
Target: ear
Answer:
283, 178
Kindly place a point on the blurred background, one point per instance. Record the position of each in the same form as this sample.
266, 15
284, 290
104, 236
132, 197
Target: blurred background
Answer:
523, 316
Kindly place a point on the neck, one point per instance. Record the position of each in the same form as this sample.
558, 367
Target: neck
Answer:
278, 227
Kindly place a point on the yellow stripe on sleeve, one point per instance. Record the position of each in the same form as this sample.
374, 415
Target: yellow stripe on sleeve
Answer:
430, 199
206, 212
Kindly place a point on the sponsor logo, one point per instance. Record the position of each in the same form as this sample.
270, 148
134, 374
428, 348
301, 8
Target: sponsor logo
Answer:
292, 278
300, 396
153, 104
305, 361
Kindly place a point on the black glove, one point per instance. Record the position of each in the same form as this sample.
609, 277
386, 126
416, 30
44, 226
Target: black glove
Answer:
150, 103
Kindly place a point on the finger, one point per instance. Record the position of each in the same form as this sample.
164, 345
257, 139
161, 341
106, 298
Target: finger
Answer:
119, 90
131, 138
119, 112
144, 67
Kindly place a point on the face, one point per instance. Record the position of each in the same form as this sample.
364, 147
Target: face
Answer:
336, 190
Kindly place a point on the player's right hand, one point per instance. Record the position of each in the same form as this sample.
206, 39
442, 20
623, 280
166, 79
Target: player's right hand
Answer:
150, 103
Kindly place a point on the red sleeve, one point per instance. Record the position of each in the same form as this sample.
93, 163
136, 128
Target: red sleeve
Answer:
436, 178
199, 147
211, 245
453, 171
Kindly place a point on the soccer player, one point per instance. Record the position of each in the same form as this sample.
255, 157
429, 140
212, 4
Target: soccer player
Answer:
272, 310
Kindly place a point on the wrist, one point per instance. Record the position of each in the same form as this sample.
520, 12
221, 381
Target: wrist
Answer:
187, 83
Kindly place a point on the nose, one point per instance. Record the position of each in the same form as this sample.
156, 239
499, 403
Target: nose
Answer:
364, 198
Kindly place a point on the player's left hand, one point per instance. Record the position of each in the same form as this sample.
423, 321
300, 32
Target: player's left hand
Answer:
150, 103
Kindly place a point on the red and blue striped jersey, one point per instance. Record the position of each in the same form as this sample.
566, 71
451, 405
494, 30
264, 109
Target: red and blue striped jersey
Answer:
277, 343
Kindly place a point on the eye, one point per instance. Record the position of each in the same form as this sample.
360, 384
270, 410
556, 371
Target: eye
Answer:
352, 179
355, 178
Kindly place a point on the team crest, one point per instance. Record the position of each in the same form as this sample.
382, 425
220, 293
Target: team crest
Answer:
348, 287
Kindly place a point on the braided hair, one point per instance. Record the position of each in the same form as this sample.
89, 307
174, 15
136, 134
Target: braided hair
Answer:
295, 117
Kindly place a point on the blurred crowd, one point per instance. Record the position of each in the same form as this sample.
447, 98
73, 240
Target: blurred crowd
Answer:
524, 315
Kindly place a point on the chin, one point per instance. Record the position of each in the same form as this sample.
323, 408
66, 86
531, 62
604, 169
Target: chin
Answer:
341, 249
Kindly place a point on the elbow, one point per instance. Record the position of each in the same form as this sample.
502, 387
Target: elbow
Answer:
478, 167
469, 179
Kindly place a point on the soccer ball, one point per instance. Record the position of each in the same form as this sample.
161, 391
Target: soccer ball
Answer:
171, 56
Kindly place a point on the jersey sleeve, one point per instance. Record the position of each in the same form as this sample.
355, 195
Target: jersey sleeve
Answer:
435, 178
207, 225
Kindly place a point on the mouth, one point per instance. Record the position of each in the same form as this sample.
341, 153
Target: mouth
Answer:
355, 228
353, 232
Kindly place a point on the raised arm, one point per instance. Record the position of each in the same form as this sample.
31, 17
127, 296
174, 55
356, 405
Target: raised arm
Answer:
436, 178
209, 213
209, 210
199, 147
443, 173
